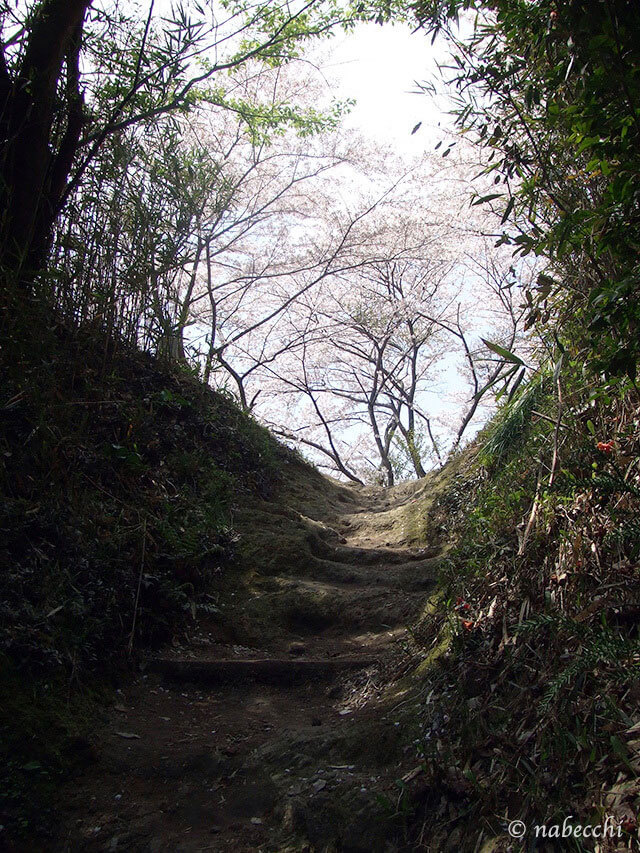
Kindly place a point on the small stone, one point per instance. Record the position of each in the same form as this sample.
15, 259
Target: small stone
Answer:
297, 649
319, 785
256, 821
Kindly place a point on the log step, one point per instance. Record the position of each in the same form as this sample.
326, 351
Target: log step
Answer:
283, 671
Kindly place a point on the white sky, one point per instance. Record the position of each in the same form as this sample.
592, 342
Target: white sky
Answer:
379, 67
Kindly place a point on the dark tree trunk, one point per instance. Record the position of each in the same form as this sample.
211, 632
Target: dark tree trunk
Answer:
41, 117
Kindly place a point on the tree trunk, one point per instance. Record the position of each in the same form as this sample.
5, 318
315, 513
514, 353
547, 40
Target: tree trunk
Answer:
414, 453
34, 167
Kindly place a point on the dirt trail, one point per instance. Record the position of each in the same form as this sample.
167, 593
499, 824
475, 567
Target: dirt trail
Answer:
226, 746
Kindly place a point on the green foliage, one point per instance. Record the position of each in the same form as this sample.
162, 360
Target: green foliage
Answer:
510, 427
553, 90
264, 122
600, 650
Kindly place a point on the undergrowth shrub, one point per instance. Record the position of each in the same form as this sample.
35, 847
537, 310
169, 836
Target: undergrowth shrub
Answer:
511, 427
531, 706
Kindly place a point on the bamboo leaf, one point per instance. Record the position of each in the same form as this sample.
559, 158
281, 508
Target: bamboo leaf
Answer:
503, 353
508, 210
485, 198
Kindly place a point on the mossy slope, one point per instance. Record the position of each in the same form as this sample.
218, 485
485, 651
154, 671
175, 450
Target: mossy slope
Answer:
119, 483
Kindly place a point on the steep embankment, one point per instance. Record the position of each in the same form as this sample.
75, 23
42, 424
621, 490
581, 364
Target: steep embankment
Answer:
118, 481
147, 522
529, 700
272, 726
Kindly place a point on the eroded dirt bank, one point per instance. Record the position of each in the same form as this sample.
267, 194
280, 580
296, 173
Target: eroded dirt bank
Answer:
272, 726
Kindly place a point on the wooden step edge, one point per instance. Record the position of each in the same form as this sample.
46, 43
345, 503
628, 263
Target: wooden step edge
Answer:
266, 670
